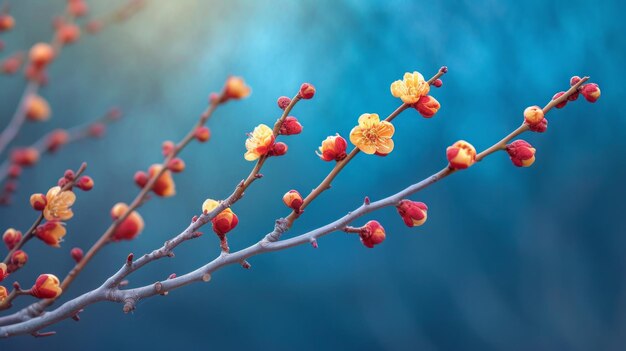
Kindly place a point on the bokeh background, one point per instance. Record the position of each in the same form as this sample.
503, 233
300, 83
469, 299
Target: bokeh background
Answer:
510, 258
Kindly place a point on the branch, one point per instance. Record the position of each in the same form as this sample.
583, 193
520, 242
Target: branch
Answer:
110, 291
44, 144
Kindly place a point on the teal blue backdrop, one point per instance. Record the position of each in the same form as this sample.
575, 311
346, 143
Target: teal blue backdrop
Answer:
510, 259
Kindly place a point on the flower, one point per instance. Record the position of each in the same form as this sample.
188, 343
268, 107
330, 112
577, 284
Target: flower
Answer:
56, 139
461, 155
19, 258
521, 153
259, 142
4, 271
411, 88
591, 92
413, 213
533, 115
59, 203
372, 234
11, 237
130, 227
38, 201
3, 293
37, 108
372, 135
224, 221
333, 148
290, 126
427, 106
51, 233
236, 88
47, 286
164, 186
293, 200
307, 91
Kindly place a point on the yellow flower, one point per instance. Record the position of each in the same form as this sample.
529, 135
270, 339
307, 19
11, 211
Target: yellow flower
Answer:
411, 88
259, 142
59, 203
372, 136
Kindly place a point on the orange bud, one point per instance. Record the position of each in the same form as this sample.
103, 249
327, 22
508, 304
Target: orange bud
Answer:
533, 115
558, 95
19, 258
235, 88
307, 91
413, 213
12, 63
47, 286
224, 222
130, 227
3, 293
461, 155
293, 200
6, 22
164, 185
333, 148
167, 147
176, 165
41, 54
77, 8
37, 109
427, 106
97, 129
56, 139
77, 254
11, 237
51, 233
278, 149
38, 201
94, 26
68, 34
290, 126
85, 183
141, 179
591, 92
25, 157
522, 154
372, 234
283, 102
4, 271
14, 171
202, 134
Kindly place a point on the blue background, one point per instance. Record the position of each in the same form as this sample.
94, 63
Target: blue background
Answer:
510, 258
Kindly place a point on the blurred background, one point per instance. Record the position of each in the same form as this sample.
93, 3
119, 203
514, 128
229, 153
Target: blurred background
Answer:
510, 258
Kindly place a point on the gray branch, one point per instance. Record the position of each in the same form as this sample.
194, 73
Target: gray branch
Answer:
110, 289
